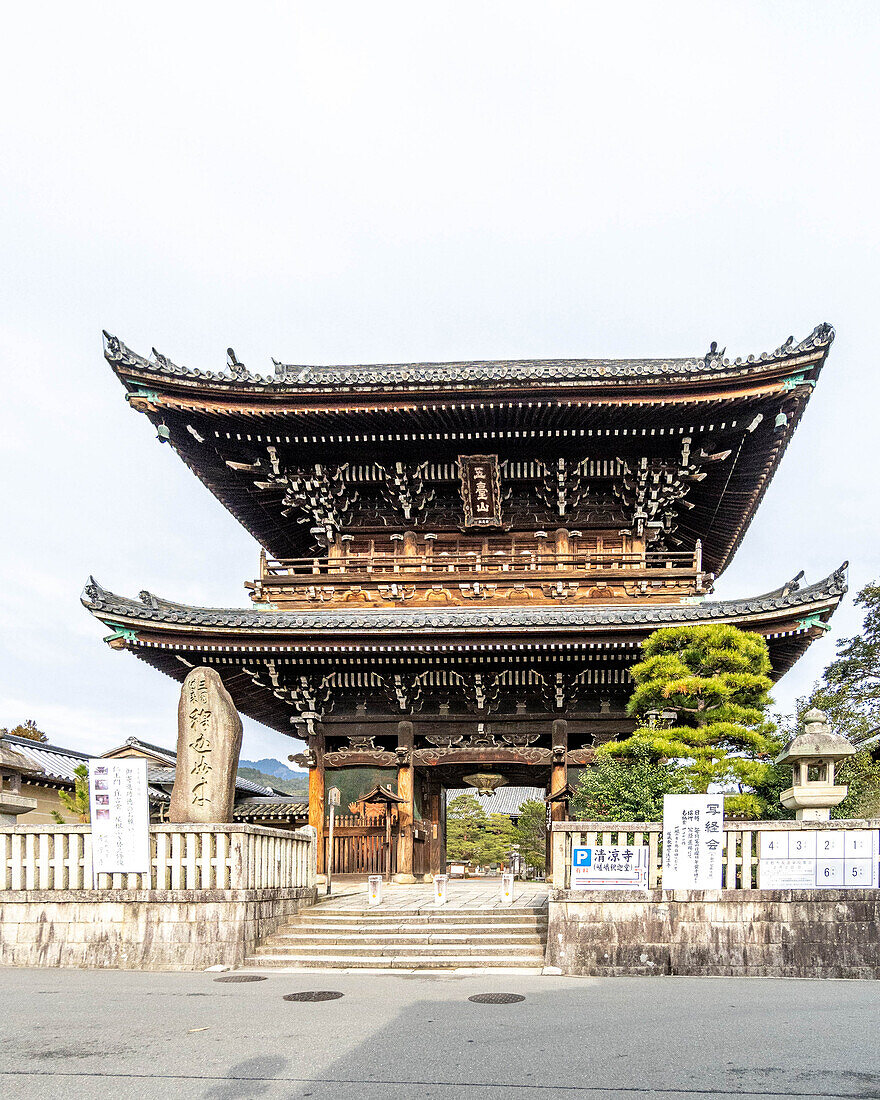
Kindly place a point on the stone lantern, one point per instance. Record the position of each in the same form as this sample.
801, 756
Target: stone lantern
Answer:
812, 756
13, 766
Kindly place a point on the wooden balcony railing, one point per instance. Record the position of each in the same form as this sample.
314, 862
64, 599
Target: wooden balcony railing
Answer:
366, 567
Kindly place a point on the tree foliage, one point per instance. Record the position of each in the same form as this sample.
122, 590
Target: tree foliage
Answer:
627, 789
713, 680
76, 803
530, 833
849, 691
28, 729
473, 836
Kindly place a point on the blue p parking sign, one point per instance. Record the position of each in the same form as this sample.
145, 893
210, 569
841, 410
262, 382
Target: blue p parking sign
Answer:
610, 867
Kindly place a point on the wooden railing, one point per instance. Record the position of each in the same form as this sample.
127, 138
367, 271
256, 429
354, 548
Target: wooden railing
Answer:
182, 857
366, 566
741, 845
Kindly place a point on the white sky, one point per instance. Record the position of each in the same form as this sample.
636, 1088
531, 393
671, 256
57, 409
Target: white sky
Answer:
333, 182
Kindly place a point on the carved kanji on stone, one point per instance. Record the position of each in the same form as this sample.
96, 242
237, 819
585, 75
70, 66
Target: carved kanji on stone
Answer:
208, 745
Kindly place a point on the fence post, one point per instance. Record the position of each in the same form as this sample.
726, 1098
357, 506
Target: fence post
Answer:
557, 859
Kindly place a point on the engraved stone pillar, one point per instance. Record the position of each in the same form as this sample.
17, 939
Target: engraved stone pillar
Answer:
406, 809
208, 745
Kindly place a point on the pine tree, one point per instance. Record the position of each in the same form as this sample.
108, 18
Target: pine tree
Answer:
465, 826
28, 729
530, 834
78, 802
710, 683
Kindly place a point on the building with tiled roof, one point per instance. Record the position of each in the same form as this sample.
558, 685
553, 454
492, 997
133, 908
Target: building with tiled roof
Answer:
459, 562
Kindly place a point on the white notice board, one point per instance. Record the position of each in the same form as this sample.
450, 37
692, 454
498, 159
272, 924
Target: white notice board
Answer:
693, 841
120, 813
809, 859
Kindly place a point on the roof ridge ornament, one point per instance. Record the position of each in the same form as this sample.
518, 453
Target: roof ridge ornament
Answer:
476, 372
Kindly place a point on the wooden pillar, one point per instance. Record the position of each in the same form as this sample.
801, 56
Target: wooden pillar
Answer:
316, 794
558, 778
436, 842
406, 809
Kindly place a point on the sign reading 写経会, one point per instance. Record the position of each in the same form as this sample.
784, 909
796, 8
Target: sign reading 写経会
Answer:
120, 814
610, 867
693, 841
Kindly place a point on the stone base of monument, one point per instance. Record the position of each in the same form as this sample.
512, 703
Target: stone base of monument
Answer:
761, 933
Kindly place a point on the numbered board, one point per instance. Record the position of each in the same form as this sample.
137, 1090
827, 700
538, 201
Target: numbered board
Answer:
809, 859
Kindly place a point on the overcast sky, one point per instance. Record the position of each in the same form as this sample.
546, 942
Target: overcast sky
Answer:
377, 182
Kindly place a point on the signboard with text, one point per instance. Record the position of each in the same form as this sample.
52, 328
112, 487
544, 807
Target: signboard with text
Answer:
818, 858
610, 867
120, 814
480, 490
693, 841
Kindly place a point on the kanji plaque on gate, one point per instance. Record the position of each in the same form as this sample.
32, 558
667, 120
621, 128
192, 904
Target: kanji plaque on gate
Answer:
480, 490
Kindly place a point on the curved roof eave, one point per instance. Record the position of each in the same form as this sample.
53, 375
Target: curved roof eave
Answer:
535, 374
127, 615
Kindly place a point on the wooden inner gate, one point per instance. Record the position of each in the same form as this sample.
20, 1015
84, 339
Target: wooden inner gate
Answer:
369, 845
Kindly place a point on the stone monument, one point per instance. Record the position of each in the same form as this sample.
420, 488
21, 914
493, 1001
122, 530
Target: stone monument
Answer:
812, 756
208, 744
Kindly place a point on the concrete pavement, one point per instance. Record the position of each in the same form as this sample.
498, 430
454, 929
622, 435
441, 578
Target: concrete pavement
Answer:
122, 1034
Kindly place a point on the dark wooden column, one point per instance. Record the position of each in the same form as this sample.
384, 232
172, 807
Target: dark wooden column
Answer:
406, 809
316, 793
558, 778
434, 814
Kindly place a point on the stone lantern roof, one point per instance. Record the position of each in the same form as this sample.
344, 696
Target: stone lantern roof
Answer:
817, 742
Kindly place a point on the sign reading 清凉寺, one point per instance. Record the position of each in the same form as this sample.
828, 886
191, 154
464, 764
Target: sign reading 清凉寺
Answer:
610, 867
480, 490
120, 814
818, 858
693, 841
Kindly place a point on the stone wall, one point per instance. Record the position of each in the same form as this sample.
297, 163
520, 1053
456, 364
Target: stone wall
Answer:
767, 933
141, 929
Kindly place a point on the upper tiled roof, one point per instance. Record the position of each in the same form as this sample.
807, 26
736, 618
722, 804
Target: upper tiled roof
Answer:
533, 372
107, 606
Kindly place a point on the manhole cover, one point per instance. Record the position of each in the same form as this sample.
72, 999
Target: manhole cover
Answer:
241, 978
496, 998
313, 995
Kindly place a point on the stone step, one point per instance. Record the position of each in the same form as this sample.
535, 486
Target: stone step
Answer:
380, 927
303, 936
392, 949
402, 962
480, 916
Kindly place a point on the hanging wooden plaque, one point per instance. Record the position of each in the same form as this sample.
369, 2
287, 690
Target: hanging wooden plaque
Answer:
480, 490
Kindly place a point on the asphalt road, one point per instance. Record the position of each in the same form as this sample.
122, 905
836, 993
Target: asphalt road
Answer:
114, 1034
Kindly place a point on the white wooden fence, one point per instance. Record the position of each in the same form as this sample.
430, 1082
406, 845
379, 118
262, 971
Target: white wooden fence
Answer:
183, 857
742, 845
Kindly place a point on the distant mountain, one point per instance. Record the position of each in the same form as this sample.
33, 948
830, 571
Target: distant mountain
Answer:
272, 773
270, 766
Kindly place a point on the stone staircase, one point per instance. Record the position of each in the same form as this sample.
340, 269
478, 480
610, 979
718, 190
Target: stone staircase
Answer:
407, 939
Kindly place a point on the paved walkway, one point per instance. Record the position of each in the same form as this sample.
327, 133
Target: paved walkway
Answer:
460, 894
